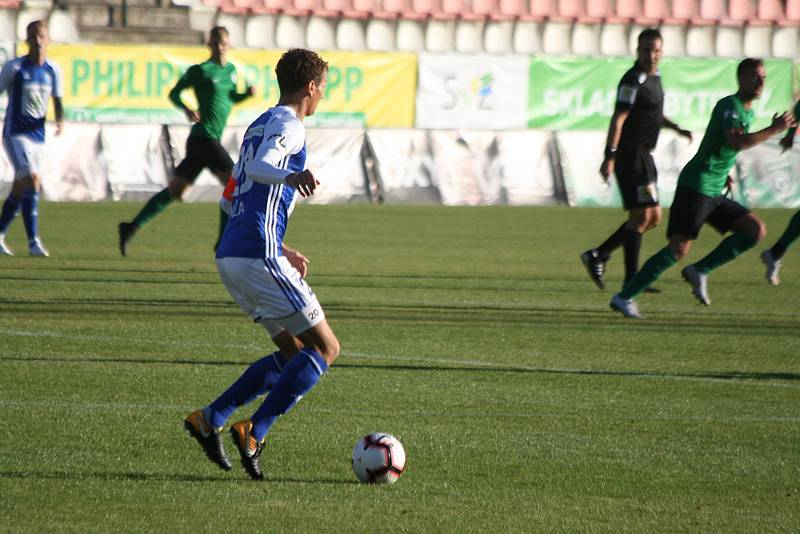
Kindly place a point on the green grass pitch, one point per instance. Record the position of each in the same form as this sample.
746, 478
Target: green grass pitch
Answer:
472, 334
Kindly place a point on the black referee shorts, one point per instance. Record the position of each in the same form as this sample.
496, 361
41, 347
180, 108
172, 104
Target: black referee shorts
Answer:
203, 152
636, 175
690, 210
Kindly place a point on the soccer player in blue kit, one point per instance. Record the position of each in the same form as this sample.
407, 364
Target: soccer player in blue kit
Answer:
264, 276
30, 81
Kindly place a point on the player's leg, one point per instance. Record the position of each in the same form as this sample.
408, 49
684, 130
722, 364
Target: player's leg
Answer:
24, 155
9, 211
641, 220
773, 257
184, 176
301, 374
687, 215
30, 214
747, 230
282, 288
643, 207
221, 165
257, 379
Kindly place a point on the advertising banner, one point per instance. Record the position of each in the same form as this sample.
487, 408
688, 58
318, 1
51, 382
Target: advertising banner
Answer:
769, 177
130, 83
577, 93
472, 91
463, 168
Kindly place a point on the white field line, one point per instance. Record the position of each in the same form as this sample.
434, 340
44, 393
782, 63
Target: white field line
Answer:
466, 414
427, 360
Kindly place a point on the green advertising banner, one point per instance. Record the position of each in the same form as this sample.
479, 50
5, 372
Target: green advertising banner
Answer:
579, 94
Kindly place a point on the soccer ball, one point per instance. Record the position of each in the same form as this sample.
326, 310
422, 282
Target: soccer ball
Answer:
379, 459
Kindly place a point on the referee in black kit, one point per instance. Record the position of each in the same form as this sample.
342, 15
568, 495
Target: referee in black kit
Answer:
632, 136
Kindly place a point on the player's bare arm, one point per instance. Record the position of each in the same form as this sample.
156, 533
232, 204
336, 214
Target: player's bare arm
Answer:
739, 140
304, 182
614, 134
58, 107
296, 259
666, 123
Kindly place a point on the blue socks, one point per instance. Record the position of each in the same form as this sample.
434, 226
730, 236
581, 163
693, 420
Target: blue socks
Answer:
30, 214
10, 209
300, 375
257, 380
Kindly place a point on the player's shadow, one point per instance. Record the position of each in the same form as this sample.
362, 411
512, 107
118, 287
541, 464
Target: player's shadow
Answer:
167, 477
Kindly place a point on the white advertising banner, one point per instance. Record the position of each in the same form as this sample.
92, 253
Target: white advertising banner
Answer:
404, 166
527, 171
334, 156
463, 168
133, 160
472, 92
581, 154
69, 167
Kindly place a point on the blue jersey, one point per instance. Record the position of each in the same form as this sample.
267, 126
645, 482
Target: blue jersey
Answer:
274, 146
29, 87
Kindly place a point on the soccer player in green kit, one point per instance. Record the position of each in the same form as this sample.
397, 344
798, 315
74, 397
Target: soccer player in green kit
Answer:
214, 83
773, 257
699, 198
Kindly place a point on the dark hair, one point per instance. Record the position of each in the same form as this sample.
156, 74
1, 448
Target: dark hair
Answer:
217, 32
297, 67
748, 65
34, 26
649, 34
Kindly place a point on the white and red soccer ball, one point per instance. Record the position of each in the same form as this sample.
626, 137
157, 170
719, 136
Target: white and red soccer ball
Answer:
379, 459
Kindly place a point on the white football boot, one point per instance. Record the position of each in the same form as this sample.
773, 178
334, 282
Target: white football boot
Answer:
698, 281
36, 249
773, 267
4, 250
626, 307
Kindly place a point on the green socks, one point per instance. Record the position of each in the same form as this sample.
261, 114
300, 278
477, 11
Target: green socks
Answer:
649, 273
789, 236
730, 247
154, 206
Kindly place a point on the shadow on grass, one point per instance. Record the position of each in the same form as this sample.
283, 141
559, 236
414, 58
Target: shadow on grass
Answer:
349, 366
166, 477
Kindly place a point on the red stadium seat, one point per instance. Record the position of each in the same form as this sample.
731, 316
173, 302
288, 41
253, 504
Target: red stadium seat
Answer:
689, 10
513, 8
741, 10
599, 8
362, 9
793, 10
628, 9
571, 9
420, 9
547, 9
713, 10
453, 8
395, 8
656, 9
771, 10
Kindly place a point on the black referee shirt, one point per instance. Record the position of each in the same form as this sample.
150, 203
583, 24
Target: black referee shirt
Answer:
641, 94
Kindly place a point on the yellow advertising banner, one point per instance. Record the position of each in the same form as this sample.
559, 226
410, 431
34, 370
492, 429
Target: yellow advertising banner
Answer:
115, 83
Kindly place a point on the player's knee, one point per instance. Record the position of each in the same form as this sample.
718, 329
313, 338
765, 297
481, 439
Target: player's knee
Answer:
680, 249
330, 349
761, 230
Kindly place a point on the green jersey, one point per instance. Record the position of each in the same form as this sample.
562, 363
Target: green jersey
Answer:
215, 88
707, 171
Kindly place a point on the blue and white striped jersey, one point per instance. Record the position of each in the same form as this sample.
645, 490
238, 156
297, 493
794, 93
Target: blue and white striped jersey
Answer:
274, 146
29, 87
